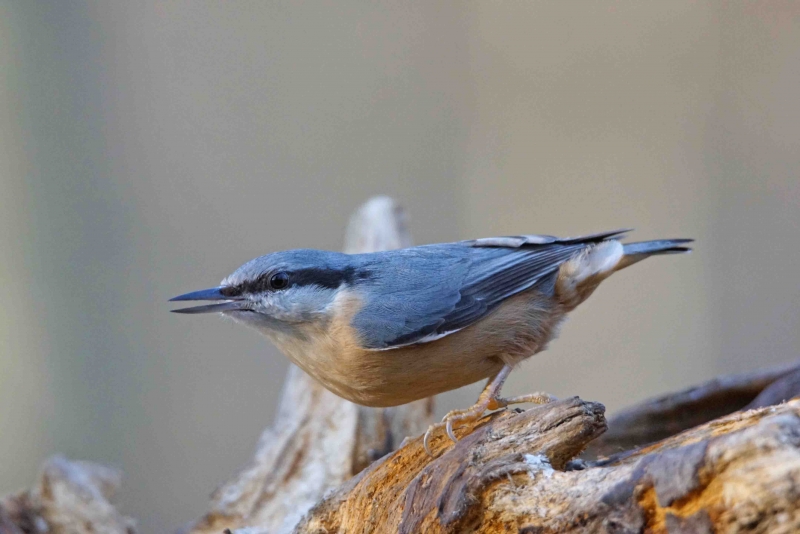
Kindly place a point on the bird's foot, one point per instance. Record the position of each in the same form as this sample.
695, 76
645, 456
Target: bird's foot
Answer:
474, 412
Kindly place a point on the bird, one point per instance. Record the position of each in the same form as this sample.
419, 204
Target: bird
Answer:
387, 328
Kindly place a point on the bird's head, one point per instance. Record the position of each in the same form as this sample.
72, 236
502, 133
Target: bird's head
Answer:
280, 290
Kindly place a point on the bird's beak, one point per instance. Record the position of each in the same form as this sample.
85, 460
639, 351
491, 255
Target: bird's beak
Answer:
210, 294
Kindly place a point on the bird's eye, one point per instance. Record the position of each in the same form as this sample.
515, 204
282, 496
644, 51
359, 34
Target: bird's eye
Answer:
279, 281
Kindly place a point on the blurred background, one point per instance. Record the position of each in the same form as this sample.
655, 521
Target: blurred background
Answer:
149, 148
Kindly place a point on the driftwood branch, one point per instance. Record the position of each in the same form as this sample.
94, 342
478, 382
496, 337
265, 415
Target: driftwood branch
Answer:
720, 457
69, 498
513, 474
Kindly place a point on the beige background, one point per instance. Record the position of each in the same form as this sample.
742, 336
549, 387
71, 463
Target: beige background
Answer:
149, 148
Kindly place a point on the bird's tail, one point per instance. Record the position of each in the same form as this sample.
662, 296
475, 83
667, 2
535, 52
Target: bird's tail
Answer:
635, 252
580, 276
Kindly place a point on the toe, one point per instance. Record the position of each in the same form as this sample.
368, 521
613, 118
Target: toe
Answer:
495, 404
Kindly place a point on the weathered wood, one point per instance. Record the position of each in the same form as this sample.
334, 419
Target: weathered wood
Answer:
318, 440
738, 473
665, 416
69, 498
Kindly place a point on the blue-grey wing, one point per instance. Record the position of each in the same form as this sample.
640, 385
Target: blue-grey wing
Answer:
424, 293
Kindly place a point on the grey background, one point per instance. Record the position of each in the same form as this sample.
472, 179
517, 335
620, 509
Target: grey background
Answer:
149, 148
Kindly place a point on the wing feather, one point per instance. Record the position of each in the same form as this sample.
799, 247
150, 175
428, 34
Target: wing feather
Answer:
431, 291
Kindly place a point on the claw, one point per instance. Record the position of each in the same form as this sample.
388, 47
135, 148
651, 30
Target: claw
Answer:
449, 421
450, 433
426, 441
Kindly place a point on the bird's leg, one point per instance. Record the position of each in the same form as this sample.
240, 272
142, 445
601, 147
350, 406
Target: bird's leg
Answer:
489, 399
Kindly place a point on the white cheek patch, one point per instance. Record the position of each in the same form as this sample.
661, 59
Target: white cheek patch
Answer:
297, 303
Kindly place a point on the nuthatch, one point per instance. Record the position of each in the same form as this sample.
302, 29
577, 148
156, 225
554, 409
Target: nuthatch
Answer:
387, 328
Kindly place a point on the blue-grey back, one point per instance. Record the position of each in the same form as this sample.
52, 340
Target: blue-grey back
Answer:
423, 293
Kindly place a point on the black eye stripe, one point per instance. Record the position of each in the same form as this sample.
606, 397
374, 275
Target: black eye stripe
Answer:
327, 278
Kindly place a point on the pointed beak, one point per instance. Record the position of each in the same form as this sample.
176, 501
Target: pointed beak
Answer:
214, 293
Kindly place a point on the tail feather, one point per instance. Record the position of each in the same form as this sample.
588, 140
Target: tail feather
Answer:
661, 246
580, 276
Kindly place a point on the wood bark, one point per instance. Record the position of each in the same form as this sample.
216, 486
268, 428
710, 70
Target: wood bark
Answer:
723, 456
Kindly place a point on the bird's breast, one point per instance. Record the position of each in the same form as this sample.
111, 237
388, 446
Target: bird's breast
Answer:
329, 349
331, 352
